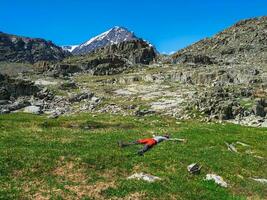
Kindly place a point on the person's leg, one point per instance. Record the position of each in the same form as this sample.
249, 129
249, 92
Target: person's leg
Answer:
141, 141
145, 149
149, 143
125, 144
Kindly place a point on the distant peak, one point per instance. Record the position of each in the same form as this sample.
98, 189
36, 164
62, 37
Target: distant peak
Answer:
114, 35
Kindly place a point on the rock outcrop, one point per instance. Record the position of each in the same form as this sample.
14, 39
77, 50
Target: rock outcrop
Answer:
115, 58
10, 87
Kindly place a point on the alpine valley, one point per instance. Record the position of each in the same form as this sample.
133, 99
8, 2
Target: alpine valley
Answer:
63, 110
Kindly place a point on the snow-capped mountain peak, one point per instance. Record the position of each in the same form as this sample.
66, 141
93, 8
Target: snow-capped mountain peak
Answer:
112, 36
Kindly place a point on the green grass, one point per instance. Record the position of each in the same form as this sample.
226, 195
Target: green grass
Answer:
76, 157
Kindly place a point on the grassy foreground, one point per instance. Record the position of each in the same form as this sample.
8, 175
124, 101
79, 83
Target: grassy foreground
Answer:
76, 157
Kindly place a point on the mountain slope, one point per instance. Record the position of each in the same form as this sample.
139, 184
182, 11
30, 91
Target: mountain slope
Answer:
24, 49
244, 42
113, 36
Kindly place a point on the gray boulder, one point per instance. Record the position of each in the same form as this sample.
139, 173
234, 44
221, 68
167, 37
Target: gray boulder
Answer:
33, 109
259, 110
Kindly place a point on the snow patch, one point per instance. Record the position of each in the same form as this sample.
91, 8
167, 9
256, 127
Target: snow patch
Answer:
69, 48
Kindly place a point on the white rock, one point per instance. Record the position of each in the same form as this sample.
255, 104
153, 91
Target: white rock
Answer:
218, 180
145, 177
123, 92
33, 109
261, 180
45, 82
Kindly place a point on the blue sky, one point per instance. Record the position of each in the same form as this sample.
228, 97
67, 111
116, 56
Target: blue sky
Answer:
168, 24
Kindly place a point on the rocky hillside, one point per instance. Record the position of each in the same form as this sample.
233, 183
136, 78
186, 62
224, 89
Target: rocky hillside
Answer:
115, 35
203, 83
244, 42
23, 49
108, 60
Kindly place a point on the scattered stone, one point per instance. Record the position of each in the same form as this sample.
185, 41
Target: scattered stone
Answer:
218, 180
231, 147
194, 168
145, 177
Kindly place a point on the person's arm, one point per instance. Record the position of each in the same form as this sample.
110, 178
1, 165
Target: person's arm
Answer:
177, 139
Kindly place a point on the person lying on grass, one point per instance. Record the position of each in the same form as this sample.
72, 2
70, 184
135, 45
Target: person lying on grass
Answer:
149, 142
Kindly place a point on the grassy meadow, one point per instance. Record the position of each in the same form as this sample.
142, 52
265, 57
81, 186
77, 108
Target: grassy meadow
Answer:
77, 157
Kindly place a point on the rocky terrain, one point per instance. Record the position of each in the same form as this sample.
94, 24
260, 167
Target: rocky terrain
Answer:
223, 78
23, 49
245, 42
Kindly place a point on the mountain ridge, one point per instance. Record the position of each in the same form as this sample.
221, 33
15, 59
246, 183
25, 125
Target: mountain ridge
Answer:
14, 48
